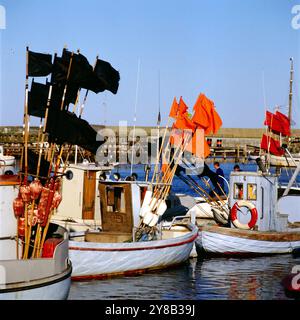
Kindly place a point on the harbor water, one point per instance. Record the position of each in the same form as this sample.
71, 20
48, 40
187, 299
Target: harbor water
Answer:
198, 279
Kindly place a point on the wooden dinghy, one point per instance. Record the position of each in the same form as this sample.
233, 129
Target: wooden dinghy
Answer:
96, 260
113, 251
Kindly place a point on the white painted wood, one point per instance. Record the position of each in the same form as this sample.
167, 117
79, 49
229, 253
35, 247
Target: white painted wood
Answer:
214, 242
95, 261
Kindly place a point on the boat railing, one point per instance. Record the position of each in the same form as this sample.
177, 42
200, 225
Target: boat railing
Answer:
178, 219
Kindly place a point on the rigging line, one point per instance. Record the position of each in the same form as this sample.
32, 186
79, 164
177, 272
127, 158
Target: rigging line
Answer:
158, 118
135, 111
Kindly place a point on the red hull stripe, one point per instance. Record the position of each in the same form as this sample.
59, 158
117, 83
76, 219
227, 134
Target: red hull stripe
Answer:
137, 249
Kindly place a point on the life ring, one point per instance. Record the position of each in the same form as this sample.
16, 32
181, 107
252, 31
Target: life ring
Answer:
234, 219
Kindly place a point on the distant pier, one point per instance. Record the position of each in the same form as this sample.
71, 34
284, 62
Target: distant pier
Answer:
229, 145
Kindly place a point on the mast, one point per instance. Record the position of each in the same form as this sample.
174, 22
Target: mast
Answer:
291, 90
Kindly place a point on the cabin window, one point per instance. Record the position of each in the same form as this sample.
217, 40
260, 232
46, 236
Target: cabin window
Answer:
115, 199
238, 191
251, 191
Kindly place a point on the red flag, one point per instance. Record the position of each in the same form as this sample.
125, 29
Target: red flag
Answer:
285, 124
174, 109
271, 145
278, 123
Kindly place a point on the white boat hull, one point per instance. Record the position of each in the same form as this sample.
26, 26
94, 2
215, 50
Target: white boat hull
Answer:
213, 242
93, 260
53, 288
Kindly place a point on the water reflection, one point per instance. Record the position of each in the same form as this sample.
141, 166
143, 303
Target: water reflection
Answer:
250, 279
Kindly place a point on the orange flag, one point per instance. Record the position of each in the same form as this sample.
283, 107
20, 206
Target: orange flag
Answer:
198, 145
182, 107
206, 116
176, 136
174, 109
183, 122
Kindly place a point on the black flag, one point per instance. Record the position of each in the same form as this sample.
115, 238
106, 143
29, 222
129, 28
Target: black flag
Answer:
39, 64
37, 99
57, 95
81, 72
108, 75
66, 127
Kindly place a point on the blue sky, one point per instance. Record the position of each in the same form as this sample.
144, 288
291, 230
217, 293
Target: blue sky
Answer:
221, 48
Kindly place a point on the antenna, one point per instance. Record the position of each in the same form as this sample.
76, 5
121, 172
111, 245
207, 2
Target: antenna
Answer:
135, 108
291, 90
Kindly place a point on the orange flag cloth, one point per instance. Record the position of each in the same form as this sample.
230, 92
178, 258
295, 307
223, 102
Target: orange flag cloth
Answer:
174, 109
206, 116
198, 145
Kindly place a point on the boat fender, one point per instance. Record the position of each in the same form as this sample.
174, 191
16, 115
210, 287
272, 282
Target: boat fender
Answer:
220, 216
50, 246
252, 209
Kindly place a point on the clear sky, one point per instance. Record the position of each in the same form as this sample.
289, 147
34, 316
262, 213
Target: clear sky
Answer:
219, 47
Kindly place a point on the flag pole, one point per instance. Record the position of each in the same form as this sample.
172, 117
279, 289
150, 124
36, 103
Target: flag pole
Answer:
26, 120
25, 148
86, 92
135, 110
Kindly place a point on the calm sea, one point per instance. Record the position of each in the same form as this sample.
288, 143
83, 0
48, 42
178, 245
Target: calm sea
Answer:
198, 279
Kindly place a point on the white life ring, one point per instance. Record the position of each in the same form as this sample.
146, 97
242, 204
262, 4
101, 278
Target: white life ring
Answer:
233, 215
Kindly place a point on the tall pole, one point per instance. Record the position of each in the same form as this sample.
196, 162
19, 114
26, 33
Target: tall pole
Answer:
158, 116
291, 90
135, 109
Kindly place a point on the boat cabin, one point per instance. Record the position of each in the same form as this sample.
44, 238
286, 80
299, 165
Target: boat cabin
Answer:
91, 201
261, 190
120, 204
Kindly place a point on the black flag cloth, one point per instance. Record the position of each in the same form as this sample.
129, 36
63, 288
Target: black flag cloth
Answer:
37, 99
81, 72
108, 75
57, 95
39, 64
66, 127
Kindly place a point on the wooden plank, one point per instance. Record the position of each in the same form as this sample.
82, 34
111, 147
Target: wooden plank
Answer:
254, 235
116, 216
89, 194
9, 180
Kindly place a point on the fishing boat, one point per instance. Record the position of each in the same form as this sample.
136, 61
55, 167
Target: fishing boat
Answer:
34, 255
47, 277
260, 218
114, 251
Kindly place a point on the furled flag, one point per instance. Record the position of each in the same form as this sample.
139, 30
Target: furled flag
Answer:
107, 75
206, 116
39, 64
271, 145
